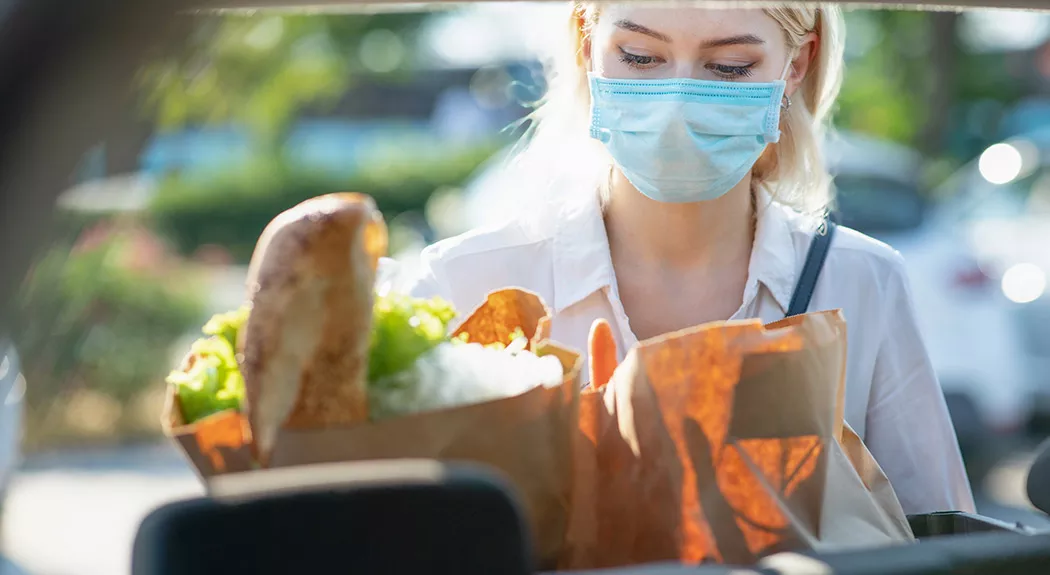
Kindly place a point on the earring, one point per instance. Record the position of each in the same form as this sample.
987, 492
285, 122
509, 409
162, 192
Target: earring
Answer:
785, 104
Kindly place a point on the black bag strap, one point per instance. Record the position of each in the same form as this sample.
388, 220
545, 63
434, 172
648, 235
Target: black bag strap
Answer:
807, 281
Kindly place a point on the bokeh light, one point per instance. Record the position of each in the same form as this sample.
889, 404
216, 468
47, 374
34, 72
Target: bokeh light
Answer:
445, 211
1024, 283
1000, 164
998, 30
382, 50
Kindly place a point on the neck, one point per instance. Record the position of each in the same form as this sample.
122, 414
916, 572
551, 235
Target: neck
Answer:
702, 234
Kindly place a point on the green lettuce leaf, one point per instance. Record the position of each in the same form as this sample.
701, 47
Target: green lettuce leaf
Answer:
212, 382
404, 328
227, 325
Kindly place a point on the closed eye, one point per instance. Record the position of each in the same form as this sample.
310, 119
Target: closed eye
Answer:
728, 72
638, 60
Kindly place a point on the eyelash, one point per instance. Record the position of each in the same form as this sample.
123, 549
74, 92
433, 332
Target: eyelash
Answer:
732, 72
636, 61
721, 70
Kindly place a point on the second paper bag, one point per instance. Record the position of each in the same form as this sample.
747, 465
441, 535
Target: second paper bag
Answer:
725, 443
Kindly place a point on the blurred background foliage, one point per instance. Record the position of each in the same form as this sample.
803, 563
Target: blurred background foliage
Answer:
105, 307
114, 285
262, 71
231, 208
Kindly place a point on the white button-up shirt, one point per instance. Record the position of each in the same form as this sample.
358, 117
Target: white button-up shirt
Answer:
893, 399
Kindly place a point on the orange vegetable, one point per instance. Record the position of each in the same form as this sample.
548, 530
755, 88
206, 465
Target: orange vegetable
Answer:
602, 351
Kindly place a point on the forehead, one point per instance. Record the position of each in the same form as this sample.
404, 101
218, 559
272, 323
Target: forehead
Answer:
692, 22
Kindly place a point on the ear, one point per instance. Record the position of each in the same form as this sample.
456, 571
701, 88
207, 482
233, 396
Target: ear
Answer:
800, 65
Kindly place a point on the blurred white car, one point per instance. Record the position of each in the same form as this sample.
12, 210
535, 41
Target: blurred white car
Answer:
12, 394
1004, 205
965, 316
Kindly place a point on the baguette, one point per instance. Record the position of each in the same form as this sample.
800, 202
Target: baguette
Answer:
305, 345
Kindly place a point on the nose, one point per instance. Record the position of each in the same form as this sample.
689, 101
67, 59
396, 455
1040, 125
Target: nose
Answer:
687, 69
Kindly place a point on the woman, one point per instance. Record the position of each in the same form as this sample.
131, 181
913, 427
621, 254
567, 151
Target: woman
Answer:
691, 140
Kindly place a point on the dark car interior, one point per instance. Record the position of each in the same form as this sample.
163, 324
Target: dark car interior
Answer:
462, 520
62, 64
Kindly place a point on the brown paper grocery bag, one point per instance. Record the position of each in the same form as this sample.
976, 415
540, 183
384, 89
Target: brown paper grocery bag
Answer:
502, 312
887, 511
528, 438
217, 444
882, 520
721, 443
641, 508
596, 426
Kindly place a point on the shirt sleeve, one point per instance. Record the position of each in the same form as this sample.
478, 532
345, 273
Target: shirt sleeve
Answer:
908, 428
424, 279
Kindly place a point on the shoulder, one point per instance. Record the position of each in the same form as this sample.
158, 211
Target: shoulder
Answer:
528, 235
862, 275
465, 268
471, 264
851, 254
503, 240
861, 253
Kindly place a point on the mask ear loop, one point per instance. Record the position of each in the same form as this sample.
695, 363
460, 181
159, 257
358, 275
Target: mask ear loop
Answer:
785, 103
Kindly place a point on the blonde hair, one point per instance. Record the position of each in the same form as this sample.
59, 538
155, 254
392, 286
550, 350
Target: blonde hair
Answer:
792, 171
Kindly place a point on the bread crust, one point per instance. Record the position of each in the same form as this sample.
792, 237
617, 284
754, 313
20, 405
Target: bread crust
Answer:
305, 345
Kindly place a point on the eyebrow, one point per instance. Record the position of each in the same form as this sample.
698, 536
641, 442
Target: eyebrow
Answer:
742, 39
636, 27
745, 39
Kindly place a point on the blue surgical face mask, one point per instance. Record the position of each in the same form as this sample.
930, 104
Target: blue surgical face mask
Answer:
684, 140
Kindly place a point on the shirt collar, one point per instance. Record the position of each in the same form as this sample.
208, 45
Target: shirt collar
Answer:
583, 264
773, 261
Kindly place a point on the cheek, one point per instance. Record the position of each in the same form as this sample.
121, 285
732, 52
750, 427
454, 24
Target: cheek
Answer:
599, 57
605, 64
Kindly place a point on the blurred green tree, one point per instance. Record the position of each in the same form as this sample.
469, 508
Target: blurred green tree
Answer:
910, 79
884, 92
264, 72
261, 70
